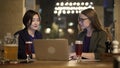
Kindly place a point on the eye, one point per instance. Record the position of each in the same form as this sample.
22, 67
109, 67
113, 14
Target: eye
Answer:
82, 19
35, 19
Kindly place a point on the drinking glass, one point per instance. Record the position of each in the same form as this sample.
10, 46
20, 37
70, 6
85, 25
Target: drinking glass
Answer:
78, 49
10, 51
28, 50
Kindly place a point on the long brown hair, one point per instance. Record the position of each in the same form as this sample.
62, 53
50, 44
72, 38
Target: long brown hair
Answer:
92, 15
109, 34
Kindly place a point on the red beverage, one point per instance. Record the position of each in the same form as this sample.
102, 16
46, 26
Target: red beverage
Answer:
28, 47
78, 47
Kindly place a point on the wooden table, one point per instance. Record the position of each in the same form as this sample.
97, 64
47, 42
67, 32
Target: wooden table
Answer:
60, 64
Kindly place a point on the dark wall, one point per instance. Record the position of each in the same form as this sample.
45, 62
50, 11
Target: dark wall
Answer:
47, 7
108, 12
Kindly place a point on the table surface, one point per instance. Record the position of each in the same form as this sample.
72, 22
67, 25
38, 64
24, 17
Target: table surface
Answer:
60, 64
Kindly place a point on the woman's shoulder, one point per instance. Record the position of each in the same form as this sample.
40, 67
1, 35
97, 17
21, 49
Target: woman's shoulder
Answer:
18, 32
101, 32
23, 31
38, 34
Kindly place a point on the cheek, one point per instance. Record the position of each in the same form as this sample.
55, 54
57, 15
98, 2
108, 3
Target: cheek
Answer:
86, 24
35, 23
38, 23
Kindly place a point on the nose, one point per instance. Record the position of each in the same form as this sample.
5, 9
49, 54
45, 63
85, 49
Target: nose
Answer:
80, 22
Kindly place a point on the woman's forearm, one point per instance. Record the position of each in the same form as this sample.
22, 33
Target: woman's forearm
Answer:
88, 55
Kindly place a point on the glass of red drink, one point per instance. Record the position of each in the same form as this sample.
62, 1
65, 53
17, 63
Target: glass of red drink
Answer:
28, 49
78, 49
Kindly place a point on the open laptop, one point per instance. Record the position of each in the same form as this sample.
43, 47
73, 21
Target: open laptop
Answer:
51, 49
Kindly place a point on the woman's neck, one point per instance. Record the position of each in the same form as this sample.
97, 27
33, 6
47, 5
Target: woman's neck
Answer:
89, 32
31, 32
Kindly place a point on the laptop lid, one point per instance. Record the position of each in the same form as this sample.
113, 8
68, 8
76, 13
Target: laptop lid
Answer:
51, 49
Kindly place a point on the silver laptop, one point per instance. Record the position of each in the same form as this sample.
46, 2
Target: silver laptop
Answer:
51, 49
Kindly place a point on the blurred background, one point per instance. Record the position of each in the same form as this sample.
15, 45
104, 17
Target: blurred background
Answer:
59, 17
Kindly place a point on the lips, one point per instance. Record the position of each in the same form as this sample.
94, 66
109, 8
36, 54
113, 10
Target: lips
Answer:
35, 26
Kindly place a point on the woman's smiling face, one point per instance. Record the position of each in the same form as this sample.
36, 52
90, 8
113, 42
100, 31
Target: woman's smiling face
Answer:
84, 21
35, 22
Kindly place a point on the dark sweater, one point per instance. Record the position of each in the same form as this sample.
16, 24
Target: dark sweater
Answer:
23, 37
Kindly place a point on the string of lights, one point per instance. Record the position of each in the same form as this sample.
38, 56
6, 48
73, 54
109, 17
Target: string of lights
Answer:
71, 7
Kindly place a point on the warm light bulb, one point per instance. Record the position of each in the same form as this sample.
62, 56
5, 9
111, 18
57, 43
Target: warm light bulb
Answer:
47, 30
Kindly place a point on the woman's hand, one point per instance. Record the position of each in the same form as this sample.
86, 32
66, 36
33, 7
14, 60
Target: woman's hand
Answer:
33, 56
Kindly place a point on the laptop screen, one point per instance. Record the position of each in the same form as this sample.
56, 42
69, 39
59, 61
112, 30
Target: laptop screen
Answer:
51, 49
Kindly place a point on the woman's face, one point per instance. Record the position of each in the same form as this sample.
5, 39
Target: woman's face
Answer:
84, 21
35, 23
